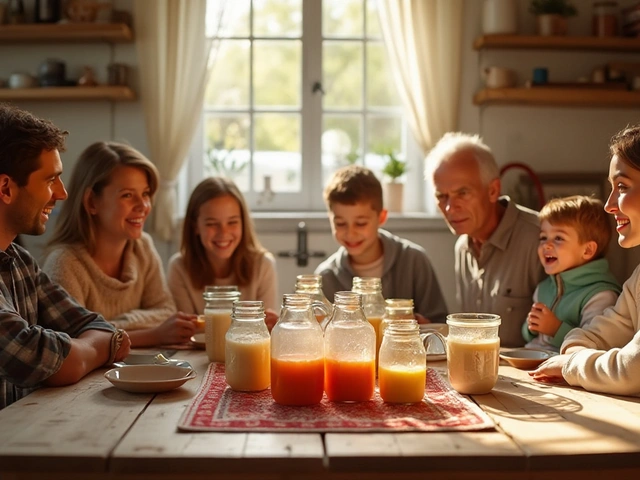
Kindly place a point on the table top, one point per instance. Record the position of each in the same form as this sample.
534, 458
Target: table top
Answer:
93, 430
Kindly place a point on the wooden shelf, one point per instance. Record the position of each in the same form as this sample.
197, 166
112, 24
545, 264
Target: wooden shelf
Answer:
66, 32
561, 97
111, 93
608, 44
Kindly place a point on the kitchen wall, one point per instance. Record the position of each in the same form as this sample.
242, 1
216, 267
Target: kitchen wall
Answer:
548, 139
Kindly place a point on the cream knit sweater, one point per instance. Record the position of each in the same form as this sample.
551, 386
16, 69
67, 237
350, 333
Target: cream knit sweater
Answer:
139, 299
610, 360
263, 286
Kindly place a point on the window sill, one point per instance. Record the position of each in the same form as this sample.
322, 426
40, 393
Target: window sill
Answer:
275, 222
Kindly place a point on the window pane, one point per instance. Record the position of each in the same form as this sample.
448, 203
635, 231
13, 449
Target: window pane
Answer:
277, 18
381, 90
228, 19
341, 143
373, 21
226, 147
342, 71
277, 72
383, 133
277, 152
228, 85
342, 18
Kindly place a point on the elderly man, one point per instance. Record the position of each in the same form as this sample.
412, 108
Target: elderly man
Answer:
46, 338
496, 267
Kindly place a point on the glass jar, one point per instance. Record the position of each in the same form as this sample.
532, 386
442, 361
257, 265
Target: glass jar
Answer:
218, 305
247, 348
604, 22
349, 351
297, 353
396, 309
402, 364
473, 348
312, 285
373, 302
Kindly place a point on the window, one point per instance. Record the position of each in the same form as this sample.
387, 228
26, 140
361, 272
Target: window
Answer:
299, 88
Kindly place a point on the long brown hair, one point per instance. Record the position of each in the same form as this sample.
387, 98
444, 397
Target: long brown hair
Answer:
626, 144
244, 258
93, 172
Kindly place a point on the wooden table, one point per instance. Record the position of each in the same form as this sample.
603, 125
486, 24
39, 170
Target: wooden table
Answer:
94, 431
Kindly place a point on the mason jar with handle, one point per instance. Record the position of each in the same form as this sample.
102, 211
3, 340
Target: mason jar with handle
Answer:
312, 285
218, 305
350, 351
402, 364
473, 349
373, 303
297, 353
247, 348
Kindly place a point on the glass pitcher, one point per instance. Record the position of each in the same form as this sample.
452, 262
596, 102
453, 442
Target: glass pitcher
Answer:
218, 305
473, 348
373, 302
247, 348
350, 351
297, 353
402, 364
312, 286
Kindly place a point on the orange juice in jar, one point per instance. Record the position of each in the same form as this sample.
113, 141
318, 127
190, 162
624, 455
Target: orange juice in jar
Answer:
350, 351
402, 371
297, 353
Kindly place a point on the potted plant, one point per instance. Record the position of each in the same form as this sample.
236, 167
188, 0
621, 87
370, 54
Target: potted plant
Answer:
393, 169
552, 15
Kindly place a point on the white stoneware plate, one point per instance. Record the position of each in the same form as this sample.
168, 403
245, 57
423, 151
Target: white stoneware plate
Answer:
526, 358
149, 378
197, 340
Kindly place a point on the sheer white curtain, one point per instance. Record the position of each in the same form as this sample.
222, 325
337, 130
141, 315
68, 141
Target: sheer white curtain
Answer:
423, 39
173, 56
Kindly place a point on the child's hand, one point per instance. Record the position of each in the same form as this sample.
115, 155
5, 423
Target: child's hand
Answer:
542, 320
270, 318
551, 370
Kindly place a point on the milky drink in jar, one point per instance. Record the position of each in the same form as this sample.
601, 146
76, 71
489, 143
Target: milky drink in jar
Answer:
217, 318
247, 348
473, 348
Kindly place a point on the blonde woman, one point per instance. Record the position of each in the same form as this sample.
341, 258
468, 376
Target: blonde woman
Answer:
220, 247
100, 254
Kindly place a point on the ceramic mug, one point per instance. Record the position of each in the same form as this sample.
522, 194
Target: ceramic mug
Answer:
22, 80
499, 77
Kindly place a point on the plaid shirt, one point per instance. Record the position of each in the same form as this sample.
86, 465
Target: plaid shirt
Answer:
38, 318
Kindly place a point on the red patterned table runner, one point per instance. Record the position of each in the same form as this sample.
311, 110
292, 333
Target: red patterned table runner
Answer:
218, 408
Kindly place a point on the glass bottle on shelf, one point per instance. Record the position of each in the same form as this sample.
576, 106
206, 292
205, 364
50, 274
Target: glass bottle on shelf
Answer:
373, 302
297, 353
402, 364
247, 348
218, 305
312, 286
350, 351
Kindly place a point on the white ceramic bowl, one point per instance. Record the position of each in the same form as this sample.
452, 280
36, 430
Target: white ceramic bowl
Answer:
197, 340
526, 358
149, 378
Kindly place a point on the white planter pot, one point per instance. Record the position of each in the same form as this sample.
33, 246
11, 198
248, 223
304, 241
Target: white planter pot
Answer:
393, 193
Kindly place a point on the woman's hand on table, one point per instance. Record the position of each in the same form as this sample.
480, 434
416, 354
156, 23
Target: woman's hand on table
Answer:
550, 371
178, 328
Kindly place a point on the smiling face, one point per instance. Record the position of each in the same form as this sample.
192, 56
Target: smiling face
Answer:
120, 210
468, 206
355, 227
624, 201
560, 248
219, 226
34, 202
